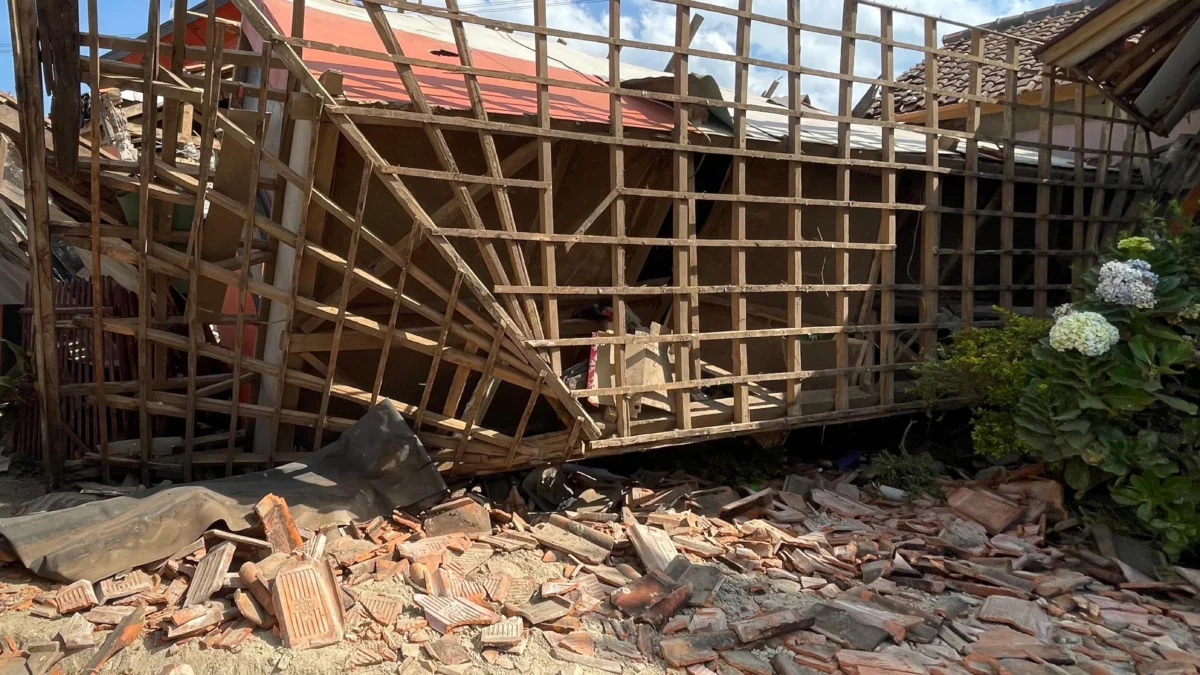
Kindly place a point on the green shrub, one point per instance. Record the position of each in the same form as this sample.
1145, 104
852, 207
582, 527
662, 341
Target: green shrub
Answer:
989, 367
1111, 399
915, 474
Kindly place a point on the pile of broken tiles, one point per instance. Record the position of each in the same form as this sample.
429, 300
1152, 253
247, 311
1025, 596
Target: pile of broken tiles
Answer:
644, 575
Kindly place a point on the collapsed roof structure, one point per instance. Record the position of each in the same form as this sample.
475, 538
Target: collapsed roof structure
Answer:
535, 250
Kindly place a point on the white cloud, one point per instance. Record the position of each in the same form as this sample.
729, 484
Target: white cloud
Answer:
654, 22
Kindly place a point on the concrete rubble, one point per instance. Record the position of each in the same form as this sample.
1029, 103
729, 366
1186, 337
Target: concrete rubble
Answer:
654, 571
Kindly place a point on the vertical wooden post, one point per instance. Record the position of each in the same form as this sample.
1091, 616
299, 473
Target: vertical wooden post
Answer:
682, 223
22, 18
360, 206
887, 278
1041, 231
146, 213
98, 355
1077, 217
546, 175
931, 219
1008, 188
971, 181
795, 273
260, 136
1094, 227
737, 272
212, 95
841, 222
616, 210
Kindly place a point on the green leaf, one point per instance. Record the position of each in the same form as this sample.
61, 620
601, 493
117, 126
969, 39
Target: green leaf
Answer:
1172, 353
1160, 331
1177, 403
1166, 284
1125, 497
1128, 398
1143, 349
1078, 475
1145, 510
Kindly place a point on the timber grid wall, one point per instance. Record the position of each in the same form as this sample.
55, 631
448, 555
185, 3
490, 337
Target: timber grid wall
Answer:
498, 326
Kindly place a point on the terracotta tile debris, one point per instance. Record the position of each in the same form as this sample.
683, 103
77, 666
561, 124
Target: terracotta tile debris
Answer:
993, 512
123, 635
826, 577
76, 597
446, 614
210, 573
503, 634
459, 516
123, 585
278, 525
307, 605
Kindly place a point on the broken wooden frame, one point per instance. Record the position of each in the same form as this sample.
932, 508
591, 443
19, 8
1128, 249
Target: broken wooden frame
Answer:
361, 251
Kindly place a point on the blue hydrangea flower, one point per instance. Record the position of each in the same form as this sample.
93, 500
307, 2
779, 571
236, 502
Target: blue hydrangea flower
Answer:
1129, 283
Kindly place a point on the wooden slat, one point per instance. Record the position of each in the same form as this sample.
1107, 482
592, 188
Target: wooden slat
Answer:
931, 222
1008, 189
971, 185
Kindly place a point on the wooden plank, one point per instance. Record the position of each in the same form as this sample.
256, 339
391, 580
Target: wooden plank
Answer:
971, 184
195, 245
616, 173
737, 272
291, 301
451, 303
145, 216
682, 222
1041, 234
795, 273
546, 172
1008, 188
1078, 221
931, 220
446, 159
841, 301
475, 409
524, 422
491, 158
256, 152
364, 184
98, 349
887, 225
23, 24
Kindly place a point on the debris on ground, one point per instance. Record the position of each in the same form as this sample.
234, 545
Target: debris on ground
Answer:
669, 573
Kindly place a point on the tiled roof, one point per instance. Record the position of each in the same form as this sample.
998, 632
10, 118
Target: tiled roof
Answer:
1041, 25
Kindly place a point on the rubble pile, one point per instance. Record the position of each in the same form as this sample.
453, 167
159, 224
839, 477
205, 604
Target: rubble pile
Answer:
818, 575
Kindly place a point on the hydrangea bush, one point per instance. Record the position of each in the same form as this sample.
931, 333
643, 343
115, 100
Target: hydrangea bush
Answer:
1088, 333
1111, 398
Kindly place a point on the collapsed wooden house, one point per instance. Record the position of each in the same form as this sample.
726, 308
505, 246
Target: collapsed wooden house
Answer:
536, 251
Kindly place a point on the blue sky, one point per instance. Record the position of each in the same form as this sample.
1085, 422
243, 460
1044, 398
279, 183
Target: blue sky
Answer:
654, 22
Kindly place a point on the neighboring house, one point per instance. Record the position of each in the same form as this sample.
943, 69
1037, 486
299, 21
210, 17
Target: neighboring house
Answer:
1035, 28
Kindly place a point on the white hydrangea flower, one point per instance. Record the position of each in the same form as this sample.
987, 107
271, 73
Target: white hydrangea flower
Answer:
1063, 310
1191, 312
1085, 332
1128, 283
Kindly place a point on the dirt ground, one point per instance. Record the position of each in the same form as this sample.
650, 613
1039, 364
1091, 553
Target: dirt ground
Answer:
15, 491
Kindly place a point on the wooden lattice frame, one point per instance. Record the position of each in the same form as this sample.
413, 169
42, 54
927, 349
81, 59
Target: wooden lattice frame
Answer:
514, 336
